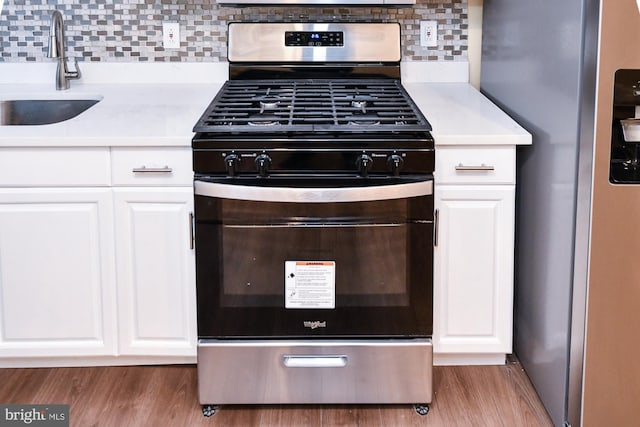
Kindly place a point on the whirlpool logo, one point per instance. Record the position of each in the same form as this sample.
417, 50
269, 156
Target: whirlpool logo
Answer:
315, 324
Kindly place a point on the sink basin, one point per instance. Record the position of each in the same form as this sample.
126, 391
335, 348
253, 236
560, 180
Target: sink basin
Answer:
42, 111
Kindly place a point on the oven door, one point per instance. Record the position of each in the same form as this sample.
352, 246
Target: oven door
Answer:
284, 257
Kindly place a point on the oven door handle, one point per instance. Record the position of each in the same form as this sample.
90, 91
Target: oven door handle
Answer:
313, 195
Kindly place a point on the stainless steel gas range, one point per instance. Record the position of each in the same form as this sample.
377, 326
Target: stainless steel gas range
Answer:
314, 222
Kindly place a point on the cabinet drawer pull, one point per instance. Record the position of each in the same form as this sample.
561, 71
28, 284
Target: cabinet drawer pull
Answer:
144, 169
482, 167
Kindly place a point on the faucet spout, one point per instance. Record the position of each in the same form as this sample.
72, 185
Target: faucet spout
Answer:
57, 50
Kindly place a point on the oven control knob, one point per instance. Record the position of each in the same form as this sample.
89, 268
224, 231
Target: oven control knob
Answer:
263, 163
364, 163
231, 163
395, 163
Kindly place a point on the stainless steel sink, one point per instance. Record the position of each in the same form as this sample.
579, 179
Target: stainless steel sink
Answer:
42, 111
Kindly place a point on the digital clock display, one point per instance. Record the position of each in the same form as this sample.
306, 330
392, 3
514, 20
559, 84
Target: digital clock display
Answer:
314, 38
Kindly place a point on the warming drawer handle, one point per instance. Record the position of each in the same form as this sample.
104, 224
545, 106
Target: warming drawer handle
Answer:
482, 167
313, 195
144, 169
315, 361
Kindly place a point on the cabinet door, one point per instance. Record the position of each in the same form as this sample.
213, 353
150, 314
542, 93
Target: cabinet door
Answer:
57, 290
155, 271
473, 286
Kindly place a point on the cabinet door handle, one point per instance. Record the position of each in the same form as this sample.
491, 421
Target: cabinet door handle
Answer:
144, 169
482, 167
435, 227
191, 228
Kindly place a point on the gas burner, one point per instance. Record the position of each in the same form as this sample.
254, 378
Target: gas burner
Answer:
364, 121
263, 120
269, 102
360, 104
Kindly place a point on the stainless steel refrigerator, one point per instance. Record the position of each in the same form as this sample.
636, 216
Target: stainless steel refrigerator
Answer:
569, 72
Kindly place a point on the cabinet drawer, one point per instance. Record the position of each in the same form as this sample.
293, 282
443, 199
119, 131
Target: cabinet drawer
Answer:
152, 166
54, 167
475, 165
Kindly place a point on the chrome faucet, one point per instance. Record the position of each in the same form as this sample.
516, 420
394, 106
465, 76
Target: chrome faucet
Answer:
57, 49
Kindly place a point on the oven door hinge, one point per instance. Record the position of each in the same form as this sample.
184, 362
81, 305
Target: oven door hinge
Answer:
192, 227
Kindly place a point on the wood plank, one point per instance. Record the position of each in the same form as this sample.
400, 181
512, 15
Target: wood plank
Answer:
167, 396
351, 415
289, 415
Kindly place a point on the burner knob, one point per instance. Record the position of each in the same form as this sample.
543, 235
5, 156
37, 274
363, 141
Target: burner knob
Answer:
231, 163
363, 163
263, 163
395, 163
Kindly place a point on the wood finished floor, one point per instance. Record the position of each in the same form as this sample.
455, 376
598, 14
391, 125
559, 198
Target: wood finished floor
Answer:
166, 396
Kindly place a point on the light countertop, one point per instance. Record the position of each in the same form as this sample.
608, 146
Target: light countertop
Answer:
127, 115
163, 114
460, 115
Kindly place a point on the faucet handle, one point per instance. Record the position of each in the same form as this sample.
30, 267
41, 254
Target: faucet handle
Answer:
73, 73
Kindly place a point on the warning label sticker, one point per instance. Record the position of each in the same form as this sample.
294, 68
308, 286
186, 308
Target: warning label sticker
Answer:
310, 284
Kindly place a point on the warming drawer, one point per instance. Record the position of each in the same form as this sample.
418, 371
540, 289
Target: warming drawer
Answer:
318, 371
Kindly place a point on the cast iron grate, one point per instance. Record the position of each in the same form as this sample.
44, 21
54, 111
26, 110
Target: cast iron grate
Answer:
336, 105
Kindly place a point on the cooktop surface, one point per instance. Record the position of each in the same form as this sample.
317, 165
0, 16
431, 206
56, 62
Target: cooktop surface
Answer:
348, 106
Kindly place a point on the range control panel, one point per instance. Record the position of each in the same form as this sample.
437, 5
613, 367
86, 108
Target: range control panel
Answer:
314, 38
265, 163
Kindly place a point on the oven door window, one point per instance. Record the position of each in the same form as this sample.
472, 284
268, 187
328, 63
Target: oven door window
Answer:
279, 268
367, 262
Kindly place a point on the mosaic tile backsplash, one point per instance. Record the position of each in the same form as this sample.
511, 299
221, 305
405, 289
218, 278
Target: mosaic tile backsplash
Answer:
131, 30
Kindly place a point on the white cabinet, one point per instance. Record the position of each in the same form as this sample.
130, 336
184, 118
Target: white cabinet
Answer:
153, 192
473, 258
56, 272
96, 260
54, 167
156, 284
